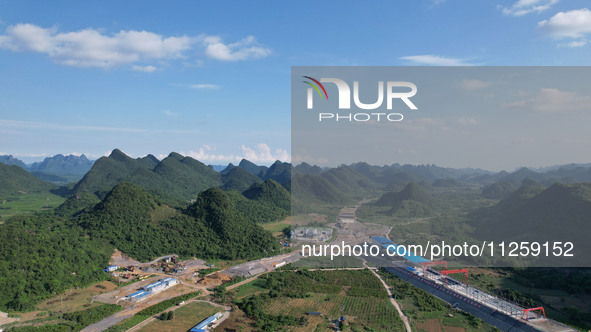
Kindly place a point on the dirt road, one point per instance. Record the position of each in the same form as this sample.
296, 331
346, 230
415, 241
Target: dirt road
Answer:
396, 305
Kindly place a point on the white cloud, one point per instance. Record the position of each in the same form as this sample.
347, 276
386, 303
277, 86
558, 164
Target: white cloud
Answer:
471, 85
204, 86
145, 69
575, 43
245, 49
570, 24
205, 154
263, 154
553, 100
92, 48
260, 154
524, 7
434, 60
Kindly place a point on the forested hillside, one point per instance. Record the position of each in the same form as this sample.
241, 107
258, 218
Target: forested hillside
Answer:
44, 254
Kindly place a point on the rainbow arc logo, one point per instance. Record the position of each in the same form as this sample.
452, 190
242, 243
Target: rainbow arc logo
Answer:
316, 87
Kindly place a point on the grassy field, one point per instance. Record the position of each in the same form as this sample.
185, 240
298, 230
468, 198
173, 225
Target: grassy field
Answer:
356, 294
277, 227
312, 219
71, 300
254, 287
27, 204
75, 299
184, 319
360, 311
325, 262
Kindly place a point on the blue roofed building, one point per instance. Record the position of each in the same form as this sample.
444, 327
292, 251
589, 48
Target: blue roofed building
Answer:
111, 268
202, 327
393, 247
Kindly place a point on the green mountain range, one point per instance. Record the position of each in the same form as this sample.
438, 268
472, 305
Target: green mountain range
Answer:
238, 179
412, 201
308, 188
80, 235
175, 177
58, 169
536, 213
10, 160
14, 179
498, 190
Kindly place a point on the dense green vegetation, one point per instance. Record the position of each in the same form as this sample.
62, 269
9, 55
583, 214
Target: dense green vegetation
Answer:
279, 171
534, 213
45, 254
251, 168
15, 179
77, 203
41, 256
144, 213
306, 168
263, 202
498, 190
357, 294
175, 178
309, 188
412, 201
238, 179
135, 222
254, 308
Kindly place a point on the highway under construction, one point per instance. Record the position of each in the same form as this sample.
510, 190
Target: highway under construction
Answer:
434, 278
501, 313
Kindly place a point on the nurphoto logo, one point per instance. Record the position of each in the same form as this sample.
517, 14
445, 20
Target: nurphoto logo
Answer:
344, 99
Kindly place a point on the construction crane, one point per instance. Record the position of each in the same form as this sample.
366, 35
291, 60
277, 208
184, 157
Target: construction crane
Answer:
463, 271
433, 263
539, 310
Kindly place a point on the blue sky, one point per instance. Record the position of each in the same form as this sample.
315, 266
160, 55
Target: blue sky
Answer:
212, 79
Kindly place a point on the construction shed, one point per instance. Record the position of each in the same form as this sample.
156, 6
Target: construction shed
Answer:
202, 327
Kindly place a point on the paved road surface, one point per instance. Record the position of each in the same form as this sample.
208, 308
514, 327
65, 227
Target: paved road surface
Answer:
108, 322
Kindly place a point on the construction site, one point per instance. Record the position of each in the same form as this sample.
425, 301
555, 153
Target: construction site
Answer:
316, 234
435, 278
152, 288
